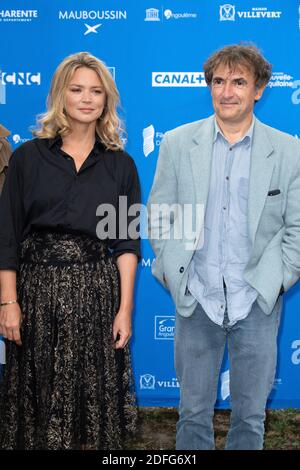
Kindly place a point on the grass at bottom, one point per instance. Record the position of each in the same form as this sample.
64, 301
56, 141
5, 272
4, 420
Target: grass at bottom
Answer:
157, 429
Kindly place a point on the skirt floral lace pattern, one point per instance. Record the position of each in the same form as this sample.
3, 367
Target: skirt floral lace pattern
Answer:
66, 387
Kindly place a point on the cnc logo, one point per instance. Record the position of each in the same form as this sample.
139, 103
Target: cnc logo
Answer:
20, 78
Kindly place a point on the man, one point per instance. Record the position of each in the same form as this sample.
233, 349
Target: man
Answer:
5, 153
247, 177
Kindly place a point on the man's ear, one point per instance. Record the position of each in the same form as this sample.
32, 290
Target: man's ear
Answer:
259, 93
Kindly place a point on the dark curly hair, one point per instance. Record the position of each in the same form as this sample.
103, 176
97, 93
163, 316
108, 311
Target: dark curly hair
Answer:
247, 56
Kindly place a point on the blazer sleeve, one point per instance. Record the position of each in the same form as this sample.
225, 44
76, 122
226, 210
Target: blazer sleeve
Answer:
163, 196
291, 237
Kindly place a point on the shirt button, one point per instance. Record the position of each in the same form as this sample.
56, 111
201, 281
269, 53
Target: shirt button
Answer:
227, 177
224, 208
222, 306
181, 269
230, 148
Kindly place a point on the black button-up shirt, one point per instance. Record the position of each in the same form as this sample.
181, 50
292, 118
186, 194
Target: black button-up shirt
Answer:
43, 190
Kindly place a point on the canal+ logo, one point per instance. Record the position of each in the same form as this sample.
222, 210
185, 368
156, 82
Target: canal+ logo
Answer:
178, 79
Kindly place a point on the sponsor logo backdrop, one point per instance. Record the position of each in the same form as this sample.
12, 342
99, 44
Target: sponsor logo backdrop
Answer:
155, 50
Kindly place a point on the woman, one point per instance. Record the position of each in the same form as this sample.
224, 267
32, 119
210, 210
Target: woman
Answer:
66, 295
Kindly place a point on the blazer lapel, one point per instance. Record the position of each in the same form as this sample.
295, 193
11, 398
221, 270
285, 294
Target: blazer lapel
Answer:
261, 170
200, 158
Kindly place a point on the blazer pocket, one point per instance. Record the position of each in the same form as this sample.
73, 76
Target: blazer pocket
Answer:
274, 197
274, 192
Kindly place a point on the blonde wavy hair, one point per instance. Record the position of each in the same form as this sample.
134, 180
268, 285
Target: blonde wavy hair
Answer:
55, 120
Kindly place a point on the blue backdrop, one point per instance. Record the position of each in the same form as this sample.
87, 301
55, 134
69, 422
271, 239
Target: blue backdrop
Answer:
155, 50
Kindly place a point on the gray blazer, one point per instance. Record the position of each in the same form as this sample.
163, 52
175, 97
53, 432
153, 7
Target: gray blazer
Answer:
183, 175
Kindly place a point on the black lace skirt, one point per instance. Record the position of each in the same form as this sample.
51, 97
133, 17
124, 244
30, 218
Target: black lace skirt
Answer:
66, 387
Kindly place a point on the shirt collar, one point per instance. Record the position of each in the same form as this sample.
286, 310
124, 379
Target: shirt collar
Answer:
247, 138
57, 142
